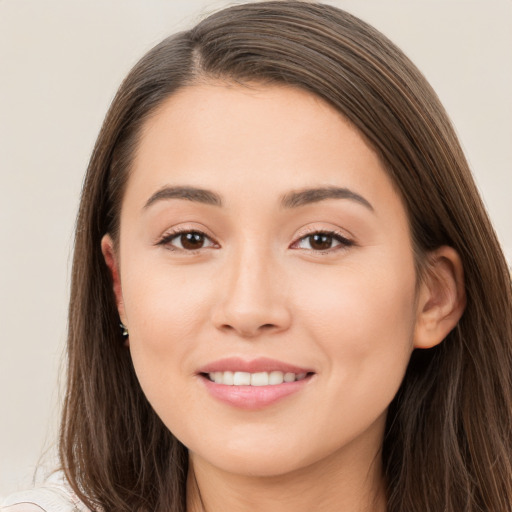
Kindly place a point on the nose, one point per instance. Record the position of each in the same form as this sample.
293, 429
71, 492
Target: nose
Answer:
253, 299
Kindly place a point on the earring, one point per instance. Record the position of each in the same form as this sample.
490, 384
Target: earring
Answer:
125, 332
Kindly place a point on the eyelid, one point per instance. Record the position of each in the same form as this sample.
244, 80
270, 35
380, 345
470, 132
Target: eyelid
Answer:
175, 232
337, 234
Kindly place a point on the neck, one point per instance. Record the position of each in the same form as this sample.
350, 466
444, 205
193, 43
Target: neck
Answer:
337, 483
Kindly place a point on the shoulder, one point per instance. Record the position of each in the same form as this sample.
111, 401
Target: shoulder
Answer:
54, 495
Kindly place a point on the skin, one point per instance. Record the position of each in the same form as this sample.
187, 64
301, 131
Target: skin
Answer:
259, 287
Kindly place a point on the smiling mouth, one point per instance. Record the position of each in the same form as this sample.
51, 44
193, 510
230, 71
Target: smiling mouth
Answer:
273, 378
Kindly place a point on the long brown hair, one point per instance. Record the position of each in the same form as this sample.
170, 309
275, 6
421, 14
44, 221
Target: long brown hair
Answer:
448, 441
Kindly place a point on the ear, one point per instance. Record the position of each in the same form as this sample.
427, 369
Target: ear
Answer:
441, 298
111, 259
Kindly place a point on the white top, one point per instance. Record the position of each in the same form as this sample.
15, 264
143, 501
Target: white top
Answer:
54, 495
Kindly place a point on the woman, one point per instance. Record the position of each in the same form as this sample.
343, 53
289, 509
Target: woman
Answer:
315, 311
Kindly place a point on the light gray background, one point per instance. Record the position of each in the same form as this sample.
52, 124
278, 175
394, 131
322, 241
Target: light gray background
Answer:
60, 64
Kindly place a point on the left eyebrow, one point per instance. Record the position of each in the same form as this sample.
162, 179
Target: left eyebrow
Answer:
315, 195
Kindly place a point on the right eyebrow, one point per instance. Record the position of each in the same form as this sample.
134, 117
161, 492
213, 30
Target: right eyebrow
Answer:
199, 195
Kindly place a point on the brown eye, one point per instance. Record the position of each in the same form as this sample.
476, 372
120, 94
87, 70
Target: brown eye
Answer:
323, 241
320, 241
191, 241
187, 241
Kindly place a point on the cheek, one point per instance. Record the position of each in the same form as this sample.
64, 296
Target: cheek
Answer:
355, 299
163, 303
166, 310
362, 323
362, 320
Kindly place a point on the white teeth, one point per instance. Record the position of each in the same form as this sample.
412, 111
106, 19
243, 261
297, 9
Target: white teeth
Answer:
275, 378
242, 379
228, 378
259, 379
254, 379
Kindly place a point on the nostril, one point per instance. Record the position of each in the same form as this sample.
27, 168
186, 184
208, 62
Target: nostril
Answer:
248, 331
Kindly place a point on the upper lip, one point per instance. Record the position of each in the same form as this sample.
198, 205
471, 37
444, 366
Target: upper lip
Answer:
261, 364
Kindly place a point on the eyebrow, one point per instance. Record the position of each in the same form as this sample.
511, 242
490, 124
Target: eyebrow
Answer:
198, 195
293, 199
315, 195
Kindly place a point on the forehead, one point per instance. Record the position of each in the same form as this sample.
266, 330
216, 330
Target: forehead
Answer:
250, 112
250, 139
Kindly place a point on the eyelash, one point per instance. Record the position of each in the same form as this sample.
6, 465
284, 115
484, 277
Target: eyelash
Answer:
344, 242
169, 237
336, 236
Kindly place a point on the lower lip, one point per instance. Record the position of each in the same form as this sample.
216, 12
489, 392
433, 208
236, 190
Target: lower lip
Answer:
253, 397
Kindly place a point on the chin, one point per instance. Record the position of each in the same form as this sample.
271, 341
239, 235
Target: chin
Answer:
264, 451
263, 455
258, 463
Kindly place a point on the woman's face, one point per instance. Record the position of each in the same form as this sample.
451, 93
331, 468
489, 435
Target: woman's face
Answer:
262, 239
